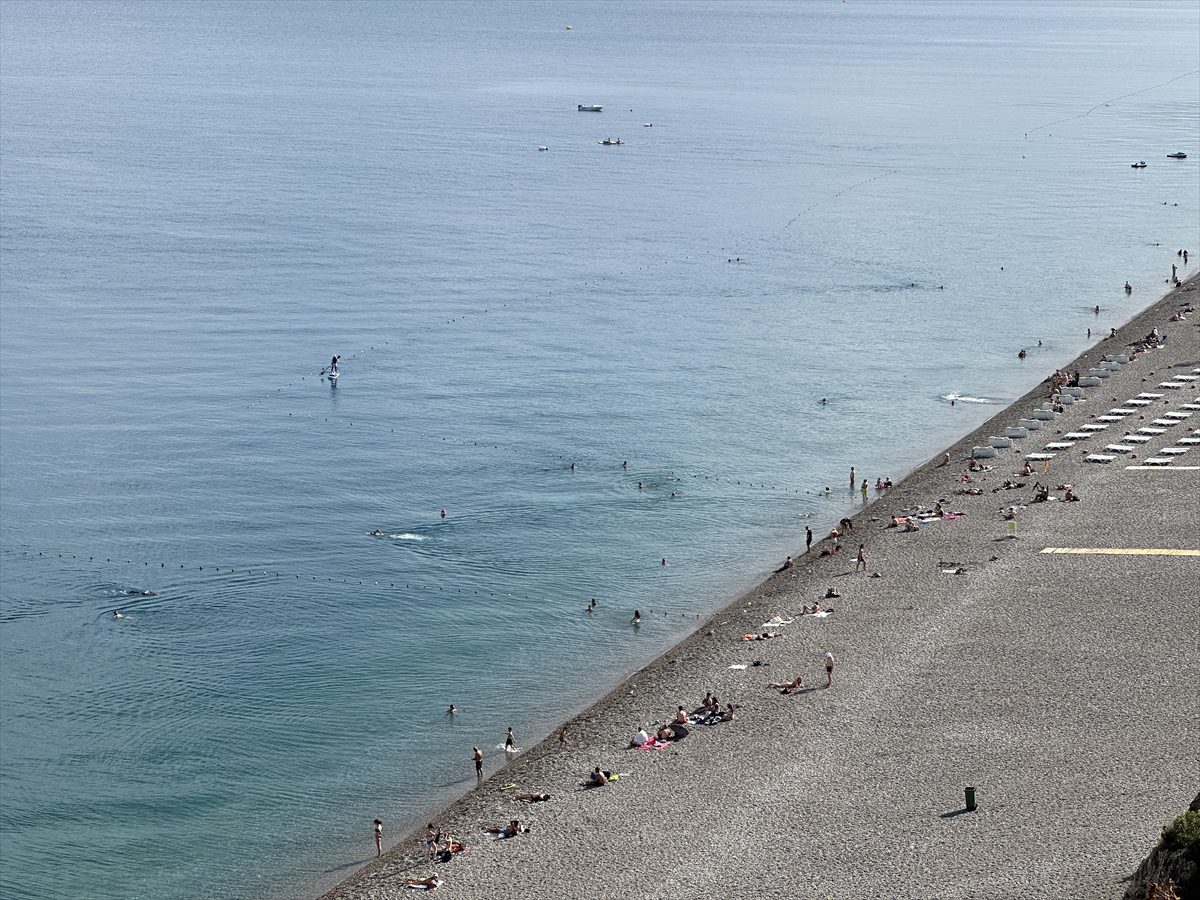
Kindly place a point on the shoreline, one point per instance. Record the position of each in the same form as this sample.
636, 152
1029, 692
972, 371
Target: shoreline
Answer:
599, 731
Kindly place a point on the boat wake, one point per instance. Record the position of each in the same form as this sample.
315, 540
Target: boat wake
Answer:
408, 536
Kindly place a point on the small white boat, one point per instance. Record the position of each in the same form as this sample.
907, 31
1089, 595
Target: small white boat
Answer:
589, 107
610, 142
1138, 165
543, 149
1178, 154
647, 124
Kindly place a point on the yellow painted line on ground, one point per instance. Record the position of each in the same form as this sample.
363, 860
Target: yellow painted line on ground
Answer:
1123, 551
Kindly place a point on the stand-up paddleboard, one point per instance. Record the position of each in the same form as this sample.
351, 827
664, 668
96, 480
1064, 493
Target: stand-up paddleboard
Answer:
333, 375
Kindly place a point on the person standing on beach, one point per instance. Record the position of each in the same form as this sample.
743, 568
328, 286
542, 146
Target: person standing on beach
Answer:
379, 837
510, 743
477, 755
562, 737
807, 539
862, 558
828, 670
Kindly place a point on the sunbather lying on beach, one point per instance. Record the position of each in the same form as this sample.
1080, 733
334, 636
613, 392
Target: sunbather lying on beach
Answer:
766, 635
787, 687
597, 778
665, 733
512, 829
432, 883
974, 492
831, 592
531, 798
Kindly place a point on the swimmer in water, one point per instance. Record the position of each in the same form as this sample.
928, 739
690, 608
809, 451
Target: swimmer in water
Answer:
824, 401
637, 618
375, 533
443, 513
452, 710
133, 592
117, 614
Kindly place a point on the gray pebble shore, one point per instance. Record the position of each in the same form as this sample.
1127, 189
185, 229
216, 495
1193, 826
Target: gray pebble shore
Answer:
1063, 687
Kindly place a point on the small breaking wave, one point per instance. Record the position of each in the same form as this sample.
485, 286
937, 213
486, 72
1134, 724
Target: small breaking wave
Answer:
959, 398
408, 536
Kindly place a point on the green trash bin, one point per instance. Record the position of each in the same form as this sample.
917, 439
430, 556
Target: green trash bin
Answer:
970, 794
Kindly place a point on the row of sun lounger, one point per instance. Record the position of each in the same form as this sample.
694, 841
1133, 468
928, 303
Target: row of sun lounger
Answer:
1126, 444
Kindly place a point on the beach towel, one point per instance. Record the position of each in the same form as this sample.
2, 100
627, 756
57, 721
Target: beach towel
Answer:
822, 614
777, 622
738, 666
955, 515
654, 745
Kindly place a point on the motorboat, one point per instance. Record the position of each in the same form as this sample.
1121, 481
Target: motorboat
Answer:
610, 142
543, 149
1139, 165
1178, 154
588, 107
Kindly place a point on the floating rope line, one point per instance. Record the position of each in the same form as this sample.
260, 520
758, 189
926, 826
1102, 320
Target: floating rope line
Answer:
1102, 104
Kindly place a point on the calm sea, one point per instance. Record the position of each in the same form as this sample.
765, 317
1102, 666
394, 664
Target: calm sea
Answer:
201, 203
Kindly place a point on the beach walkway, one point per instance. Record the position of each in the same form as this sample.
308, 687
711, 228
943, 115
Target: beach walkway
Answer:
1049, 661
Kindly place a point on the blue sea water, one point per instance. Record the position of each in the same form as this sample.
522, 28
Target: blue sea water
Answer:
201, 203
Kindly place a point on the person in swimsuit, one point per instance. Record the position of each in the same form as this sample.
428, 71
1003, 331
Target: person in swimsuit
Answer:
862, 558
477, 755
828, 670
787, 687
379, 837
333, 365
510, 743
637, 618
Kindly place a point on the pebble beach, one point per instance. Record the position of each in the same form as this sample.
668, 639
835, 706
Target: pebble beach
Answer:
1059, 685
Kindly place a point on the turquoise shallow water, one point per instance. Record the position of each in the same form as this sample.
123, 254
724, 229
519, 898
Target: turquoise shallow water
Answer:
199, 204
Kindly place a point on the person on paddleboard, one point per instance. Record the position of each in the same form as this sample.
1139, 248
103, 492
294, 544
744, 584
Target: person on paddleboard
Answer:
333, 365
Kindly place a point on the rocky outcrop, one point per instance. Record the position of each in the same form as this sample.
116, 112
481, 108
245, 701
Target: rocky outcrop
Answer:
1172, 870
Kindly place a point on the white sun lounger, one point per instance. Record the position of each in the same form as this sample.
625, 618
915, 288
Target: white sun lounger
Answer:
1177, 415
1164, 423
1110, 418
1190, 441
1077, 435
1146, 396
1121, 411
1119, 448
1136, 439
1038, 457
1136, 402
1173, 451
1173, 385
1098, 458
1148, 430
1156, 461
1060, 445
1191, 406
1186, 378
1090, 426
